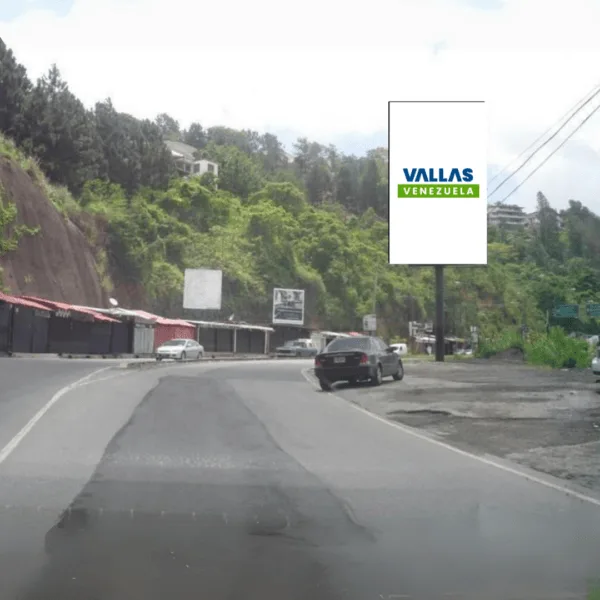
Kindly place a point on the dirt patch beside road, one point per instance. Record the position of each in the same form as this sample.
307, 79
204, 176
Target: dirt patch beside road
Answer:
546, 420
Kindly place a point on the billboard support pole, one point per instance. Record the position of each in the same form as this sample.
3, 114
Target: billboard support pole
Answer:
375, 303
439, 313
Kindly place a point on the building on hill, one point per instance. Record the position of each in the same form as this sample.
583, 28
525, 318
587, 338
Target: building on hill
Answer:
533, 220
511, 215
507, 215
186, 162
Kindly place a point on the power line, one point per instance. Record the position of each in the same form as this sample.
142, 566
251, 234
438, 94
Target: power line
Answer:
573, 108
552, 153
544, 144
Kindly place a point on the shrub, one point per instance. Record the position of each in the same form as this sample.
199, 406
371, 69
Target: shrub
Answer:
558, 350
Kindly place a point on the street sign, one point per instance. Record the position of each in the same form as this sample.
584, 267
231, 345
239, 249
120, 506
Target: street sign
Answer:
566, 311
593, 309
369, 323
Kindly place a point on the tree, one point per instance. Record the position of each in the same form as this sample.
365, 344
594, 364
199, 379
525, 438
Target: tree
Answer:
168, 127
347, 185
238, 172
274, 156
548, 227
134, 151
285, 195
195, 136
14, 89
61, 133
369, 187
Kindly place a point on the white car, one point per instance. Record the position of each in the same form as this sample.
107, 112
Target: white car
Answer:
400, 349
596, 363
180, 350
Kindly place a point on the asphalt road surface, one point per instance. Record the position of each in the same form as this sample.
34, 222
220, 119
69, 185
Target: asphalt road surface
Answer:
229, 481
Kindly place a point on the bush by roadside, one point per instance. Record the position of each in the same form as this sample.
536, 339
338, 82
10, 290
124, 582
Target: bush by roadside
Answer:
554, 349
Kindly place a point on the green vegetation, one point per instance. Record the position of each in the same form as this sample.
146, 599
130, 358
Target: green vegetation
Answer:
317, 222
554, 349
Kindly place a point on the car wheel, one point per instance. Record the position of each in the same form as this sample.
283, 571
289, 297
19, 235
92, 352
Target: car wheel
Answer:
399, 374
378, 376
183, 356
352, 381
325, 385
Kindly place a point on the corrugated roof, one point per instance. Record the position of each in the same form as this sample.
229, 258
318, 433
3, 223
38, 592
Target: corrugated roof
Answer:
55, 305
121, 312
72, 307
22, 302
163, 320
230, 325
180, 148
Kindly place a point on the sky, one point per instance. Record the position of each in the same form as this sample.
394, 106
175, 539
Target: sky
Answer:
326, 69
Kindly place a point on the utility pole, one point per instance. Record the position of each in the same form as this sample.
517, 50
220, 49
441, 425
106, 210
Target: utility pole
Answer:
375, 301
439, 313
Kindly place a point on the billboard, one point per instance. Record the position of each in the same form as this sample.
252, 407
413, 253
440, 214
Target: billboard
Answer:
288, 307
370, 323
437, 183
202, 289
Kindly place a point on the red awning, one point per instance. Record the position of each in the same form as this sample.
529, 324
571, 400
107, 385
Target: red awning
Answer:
71, 307
163, 320
22, 302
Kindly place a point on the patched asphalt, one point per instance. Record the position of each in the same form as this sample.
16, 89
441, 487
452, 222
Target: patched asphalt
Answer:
244, 481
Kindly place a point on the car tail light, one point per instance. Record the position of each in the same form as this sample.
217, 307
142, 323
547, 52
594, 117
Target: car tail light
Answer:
317, 362
364, 359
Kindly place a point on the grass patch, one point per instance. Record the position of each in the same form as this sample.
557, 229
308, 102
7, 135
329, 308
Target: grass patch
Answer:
62, 200
509, 339
558, 350
554, 350
9, 150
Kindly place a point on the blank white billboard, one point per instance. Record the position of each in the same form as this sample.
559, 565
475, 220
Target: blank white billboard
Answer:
288, 307
438, 183
202, 289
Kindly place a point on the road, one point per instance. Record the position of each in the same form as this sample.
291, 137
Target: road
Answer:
546, 420
241, 480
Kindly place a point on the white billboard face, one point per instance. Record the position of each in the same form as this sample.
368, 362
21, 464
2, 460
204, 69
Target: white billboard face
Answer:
438, 183
202, 289
288, 307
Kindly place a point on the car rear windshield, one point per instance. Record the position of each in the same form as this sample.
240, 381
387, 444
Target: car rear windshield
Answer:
349, 344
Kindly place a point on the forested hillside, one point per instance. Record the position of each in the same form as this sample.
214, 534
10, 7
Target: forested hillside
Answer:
315, 221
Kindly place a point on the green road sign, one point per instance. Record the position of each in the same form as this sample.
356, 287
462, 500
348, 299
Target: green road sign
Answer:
593, 309
566, 311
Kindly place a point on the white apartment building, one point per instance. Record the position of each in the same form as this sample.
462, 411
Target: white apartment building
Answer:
187, 164
507, 215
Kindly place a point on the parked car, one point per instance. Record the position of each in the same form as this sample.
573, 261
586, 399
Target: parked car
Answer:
358, 358
180, 349
596, 364
302, 347
400, 349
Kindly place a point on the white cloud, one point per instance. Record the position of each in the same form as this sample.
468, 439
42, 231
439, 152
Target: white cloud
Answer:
328, 68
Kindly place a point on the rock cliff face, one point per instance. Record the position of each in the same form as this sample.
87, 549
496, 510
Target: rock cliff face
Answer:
58, 262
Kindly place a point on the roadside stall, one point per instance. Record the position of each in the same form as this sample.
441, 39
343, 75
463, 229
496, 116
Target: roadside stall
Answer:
168, 329
230, 337
76, 330
23, 325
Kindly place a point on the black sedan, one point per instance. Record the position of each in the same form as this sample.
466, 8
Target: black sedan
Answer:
360, 358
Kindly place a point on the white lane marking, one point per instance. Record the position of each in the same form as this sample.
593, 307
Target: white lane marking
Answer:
486, 461
18, 438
